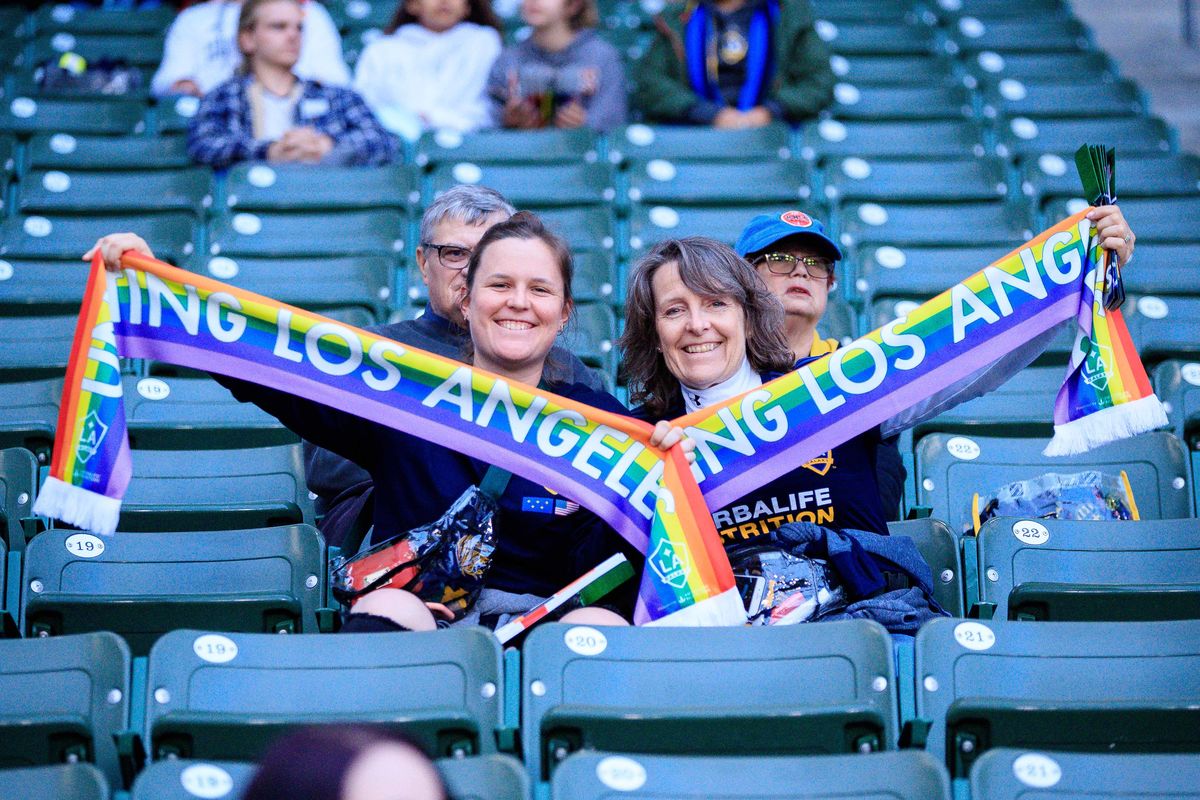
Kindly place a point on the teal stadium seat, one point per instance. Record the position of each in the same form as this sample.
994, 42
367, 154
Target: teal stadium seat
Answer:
1022, 137
1164, 327
872, 38
948, 476
660, 181
187, 779
584, 227
650, 224
1154, 219
54, 17
932, 224
1068, 66
315, 284
136, 50
66, 238
1075, 686
939, 546
529, 186
172, 115
64, 782
35, 347
953, 9
1020, 34
18, 487
278, 235
191, 490
169, 413
1022, 406
306, 187
1010, 774
62, 700
677, 691
226, 696
1054, 98
906, 70
596, 279
25, 116
266, 580
42, 288
831, 138
904, 180
1068, 570
490, 777
918, 272
591, 335
914, 102
1053, 177
907, 775
59, 192
1177, 384
547, 145
684, 143
64, 151
361, 16
30, 416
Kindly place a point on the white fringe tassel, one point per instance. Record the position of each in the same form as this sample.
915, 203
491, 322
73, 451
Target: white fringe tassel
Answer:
1107, 425
723, 609
84, 509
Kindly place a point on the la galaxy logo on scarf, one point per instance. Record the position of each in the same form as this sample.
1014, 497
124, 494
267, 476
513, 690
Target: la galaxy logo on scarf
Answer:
93, 435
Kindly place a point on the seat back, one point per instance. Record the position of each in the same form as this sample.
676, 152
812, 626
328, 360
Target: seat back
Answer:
226, 696
63, 699
547, 145
906, 775
140, 586
60, 782
65, 237
939, 547
1064, 570
950, 469
18, 484
1177, 384
1077, 686
680, 142
305, 187
829, 689
187, 779
32, 348
216, 489
1011, 774
289, 235
194, 414
531, 185
491, 777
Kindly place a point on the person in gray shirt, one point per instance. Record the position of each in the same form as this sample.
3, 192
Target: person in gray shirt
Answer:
450, 229
564, 75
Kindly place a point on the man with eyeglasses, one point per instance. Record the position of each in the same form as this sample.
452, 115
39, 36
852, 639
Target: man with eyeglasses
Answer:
450, 228
796, 258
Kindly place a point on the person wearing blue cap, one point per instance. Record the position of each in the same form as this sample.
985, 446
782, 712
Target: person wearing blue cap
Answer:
796, 258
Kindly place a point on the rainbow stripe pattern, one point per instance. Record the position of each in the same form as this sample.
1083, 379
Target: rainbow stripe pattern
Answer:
655, 499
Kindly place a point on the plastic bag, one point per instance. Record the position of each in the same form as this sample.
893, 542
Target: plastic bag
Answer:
1079, 495
71, 74
784, 589
442, 562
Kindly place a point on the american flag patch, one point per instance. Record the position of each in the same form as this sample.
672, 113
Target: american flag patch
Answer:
564, 507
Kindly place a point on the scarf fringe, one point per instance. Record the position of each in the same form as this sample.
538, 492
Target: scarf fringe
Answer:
725, 608
1107, 425
82, 508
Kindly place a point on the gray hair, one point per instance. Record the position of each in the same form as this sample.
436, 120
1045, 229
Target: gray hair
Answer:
470, 205
710, 269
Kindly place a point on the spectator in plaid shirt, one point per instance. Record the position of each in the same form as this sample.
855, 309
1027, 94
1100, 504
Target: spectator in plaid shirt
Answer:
266, 113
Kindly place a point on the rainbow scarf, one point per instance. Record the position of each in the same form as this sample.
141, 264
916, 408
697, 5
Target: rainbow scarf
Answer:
602, 460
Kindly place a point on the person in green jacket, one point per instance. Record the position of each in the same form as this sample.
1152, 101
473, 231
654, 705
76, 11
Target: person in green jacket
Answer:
734, 64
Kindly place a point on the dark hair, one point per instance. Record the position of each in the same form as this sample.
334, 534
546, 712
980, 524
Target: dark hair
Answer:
710, 269
584, 16
312, 763
527, 225
478, 11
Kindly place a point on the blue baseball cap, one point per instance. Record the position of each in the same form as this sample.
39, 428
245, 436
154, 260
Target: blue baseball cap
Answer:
767, 229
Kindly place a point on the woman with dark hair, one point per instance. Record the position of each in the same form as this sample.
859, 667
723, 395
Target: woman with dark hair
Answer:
702, 327
345, 762
517, 300
431, 69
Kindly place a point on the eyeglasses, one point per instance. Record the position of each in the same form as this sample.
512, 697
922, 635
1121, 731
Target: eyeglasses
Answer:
452, 256
785, 264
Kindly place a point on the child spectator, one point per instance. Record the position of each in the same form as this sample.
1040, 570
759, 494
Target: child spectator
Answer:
201, 50
562, 75
735, 64
431, 69
267, 113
